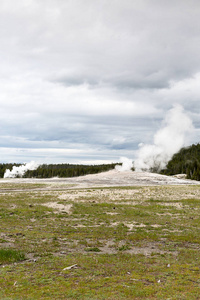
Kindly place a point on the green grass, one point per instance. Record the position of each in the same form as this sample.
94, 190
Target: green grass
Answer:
10, 256
145, 250
92, 249
21, 186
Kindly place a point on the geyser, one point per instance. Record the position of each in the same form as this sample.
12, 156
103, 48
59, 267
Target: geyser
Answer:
21, 170
167, 141
127, 164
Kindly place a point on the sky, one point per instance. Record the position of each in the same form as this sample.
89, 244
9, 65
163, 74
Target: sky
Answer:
87, 81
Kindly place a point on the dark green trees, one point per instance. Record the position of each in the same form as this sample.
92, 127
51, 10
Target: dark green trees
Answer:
60, 170
186, 161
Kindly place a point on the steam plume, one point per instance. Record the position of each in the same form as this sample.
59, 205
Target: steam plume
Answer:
21, 170
127, 164
167, 141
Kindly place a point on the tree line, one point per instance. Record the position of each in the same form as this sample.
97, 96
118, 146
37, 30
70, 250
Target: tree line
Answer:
186, 161
60, 170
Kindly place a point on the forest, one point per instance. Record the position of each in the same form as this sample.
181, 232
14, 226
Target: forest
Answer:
186, 161
59, 170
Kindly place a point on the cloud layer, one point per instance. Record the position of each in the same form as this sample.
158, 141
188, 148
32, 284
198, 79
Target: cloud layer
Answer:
90, 80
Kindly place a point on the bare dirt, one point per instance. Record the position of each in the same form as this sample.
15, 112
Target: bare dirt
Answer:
59, 207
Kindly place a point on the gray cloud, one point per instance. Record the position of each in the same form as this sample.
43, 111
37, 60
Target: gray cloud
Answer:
94, 76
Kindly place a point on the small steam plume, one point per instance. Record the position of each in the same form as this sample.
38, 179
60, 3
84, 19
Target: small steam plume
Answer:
167, 141
21, 170
127, 164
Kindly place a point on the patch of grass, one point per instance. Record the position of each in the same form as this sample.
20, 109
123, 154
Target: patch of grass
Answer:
143, 235
92, 249
191, 202
21, 186
124, 247
191, 237
11, 256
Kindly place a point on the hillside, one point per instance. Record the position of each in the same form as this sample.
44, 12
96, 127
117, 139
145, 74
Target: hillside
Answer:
186, 161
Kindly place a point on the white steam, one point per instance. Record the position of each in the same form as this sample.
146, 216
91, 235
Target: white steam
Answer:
21, 170
127, 164
167, 141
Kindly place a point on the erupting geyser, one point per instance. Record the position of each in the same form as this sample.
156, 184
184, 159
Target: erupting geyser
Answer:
127, 164
167, 141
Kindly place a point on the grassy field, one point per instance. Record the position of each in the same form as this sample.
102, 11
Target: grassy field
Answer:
103, 243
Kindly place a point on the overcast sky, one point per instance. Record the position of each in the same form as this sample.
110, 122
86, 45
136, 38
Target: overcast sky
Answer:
88, 80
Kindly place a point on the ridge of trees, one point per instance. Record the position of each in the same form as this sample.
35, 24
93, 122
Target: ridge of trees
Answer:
60, 170
186, 161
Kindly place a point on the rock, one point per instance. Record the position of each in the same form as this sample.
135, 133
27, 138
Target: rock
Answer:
180, 176
70, 267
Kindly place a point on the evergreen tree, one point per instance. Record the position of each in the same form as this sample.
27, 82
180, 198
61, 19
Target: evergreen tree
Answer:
186, 161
